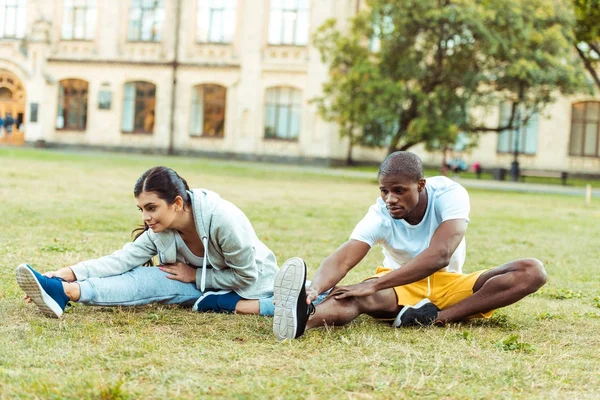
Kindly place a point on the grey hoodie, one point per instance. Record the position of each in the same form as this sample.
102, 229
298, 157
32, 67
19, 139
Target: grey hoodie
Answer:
239, 260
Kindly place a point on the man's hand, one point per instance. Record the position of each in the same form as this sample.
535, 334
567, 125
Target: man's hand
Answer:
311, 294
179, 272
362, 289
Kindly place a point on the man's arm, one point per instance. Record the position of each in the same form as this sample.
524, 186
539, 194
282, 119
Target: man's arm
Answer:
443, 243
335, 267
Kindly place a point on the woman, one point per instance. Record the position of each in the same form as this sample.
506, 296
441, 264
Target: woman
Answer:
210, 258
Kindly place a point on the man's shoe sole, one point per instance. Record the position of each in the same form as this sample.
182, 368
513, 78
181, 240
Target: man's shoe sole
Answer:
287, 288
398, 321
32, 288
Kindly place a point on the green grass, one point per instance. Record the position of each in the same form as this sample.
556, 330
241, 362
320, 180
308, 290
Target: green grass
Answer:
59, 208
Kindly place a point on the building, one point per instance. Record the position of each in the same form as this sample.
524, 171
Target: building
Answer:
229, 78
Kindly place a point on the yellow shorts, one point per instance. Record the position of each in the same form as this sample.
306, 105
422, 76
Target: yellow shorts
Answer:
447, 289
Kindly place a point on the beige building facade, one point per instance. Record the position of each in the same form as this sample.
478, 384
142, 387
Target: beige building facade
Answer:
229, 78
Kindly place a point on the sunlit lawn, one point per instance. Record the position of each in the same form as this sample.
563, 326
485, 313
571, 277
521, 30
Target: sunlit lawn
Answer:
58, 208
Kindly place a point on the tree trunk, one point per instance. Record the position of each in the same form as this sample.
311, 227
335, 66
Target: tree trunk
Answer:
588, 66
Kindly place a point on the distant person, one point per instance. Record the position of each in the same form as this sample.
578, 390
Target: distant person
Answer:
1, 124
210, 258
8, 123
421, 226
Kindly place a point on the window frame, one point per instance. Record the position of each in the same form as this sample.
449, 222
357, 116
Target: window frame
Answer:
89, 31
524, 128
136, 101
158, 20
19, 9
583, 122
203, 104
283, 9
208, 6
60, 106
278, 106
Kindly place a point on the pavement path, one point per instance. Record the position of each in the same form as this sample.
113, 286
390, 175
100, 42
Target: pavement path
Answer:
505, 186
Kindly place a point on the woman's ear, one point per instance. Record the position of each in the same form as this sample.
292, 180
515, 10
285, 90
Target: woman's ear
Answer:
178, 203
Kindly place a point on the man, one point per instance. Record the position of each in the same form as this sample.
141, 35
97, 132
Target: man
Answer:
421, 226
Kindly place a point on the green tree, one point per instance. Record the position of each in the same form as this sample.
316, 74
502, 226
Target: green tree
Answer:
587, 35
413, 71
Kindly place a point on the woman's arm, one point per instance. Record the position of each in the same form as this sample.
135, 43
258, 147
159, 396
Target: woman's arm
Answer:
132, 255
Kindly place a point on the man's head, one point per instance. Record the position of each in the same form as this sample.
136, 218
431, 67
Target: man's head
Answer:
401, 183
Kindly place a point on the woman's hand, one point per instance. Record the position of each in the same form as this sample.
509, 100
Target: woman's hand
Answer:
362, 289
179, 272
65, 273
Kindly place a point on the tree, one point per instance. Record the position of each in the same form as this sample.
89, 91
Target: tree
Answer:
412, 71
587, 35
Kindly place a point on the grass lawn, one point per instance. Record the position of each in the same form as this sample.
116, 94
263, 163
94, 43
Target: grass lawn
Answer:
59, 208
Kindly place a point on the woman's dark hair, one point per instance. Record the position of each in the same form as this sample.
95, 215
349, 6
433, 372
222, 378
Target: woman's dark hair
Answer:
166, 184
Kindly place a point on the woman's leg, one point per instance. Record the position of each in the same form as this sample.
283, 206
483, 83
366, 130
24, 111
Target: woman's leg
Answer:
141, 285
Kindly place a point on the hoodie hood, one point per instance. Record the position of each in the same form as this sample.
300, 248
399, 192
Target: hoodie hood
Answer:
204, 203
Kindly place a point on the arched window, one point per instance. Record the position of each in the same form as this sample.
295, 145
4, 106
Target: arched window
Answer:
282, 113
208, 111
585, 129
72, 104
139, 104
289, 22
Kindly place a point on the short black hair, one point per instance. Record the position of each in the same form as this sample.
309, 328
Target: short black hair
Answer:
402, 163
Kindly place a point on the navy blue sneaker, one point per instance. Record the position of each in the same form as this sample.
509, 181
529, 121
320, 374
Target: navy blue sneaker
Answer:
47, 293
289, 292
423, 313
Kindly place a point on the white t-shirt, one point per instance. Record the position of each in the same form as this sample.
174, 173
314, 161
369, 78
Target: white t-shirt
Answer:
401, 241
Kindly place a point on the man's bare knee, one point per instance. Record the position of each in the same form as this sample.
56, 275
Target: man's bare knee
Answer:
535, 273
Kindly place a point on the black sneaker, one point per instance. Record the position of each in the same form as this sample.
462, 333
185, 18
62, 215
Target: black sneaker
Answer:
291, 310
422, 313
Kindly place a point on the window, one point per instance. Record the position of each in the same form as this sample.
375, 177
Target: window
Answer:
138, 107
208, 111
12, 18
283, 113
288, 22
72, 105
216, 21
79, 20
585, 129
145, 20
510, 141
382, 26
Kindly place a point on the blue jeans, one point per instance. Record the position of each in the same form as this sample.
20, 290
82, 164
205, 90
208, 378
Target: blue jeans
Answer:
145, 285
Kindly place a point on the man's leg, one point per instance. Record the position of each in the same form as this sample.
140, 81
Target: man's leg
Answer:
498, 287
331, 311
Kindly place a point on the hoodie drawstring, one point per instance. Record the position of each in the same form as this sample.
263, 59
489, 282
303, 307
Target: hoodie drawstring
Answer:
203, 279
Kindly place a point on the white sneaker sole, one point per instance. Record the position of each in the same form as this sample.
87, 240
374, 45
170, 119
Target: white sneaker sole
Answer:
398, 321
32, 288
288, 284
